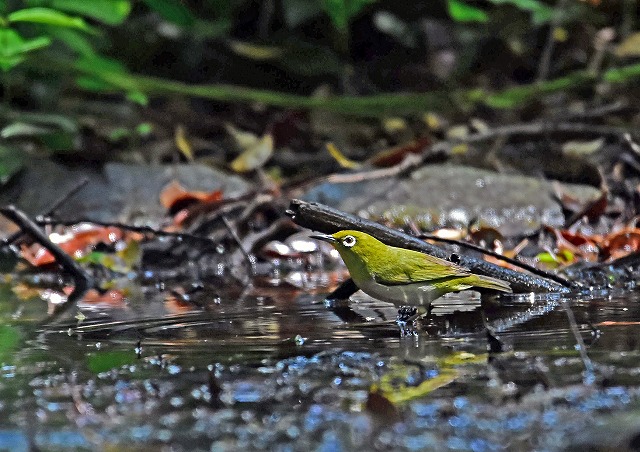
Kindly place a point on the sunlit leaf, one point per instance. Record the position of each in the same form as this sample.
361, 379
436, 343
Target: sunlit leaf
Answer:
104, 361
182, 143
339, 157
144, 129
112, 12
629, 47
255, 51
138, 97
463, 12
255, 156
49, 17
13, 47
242, 138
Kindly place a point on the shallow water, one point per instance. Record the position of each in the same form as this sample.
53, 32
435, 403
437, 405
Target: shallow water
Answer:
280, 370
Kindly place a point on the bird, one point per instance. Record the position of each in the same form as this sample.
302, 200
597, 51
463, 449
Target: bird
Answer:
401, 276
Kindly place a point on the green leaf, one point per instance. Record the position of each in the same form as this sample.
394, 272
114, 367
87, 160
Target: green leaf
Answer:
11, 161
172, 11
138, 97
49, 17
342, 11
13, 47
94, 84
111, 12
75, 40
461, 12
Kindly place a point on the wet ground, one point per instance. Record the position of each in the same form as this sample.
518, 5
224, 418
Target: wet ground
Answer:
284, 371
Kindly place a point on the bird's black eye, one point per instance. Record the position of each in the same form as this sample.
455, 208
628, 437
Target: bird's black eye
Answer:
349, 241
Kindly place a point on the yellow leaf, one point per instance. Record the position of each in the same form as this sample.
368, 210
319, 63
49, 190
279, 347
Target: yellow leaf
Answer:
255, 51
339, 157
254, 156
182, 143
394, 125
630, 47
244, 140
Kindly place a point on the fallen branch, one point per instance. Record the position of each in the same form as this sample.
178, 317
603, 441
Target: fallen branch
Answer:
326, 219
83, 281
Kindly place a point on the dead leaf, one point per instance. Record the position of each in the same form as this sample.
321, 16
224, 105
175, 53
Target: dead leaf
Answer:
254, 156
630, 47
174, 197
182, 143
339, 157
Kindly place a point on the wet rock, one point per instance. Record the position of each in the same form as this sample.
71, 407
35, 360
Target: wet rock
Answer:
115, 192
437, 196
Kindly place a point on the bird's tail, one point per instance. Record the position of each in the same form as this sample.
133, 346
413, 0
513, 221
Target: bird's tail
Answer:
487, 282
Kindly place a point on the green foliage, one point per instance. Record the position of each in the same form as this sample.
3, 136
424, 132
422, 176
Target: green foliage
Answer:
463, 12
111, 12
542, 13
10, 162
49, 17
342, 11
14, 48
172, 11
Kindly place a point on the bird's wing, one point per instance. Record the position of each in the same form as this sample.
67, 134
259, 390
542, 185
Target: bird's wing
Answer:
412, 266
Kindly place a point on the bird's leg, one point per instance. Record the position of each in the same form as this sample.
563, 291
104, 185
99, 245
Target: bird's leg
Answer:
407, 313
407, 318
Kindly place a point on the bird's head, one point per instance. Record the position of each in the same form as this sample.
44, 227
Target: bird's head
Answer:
351, 242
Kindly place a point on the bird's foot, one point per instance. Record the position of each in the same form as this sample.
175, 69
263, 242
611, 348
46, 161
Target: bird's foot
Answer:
407, 314
407, 320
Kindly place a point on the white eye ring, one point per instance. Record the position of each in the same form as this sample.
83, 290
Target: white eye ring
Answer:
349, 241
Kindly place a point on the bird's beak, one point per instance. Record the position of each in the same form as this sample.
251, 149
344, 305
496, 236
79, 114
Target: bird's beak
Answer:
324, 237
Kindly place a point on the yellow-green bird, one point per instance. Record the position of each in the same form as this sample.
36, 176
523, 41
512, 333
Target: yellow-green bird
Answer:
401, 276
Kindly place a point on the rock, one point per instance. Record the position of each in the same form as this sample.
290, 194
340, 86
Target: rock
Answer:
446, 195
115, 192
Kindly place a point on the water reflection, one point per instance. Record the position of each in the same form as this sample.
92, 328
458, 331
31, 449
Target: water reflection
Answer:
272, 368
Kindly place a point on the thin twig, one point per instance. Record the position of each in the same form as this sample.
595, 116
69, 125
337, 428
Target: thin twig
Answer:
515, 262
127, 227
540, 128
234, 235
547, 52
64, 198
589, 376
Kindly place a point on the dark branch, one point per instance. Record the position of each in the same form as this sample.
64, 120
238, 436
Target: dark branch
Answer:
327, 219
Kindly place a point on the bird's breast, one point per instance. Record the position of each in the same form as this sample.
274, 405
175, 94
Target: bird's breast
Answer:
416, 294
